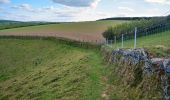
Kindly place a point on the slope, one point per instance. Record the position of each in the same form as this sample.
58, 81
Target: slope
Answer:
47, 70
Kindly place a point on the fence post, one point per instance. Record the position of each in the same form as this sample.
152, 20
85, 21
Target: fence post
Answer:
135, 38
115, 42
122, 40
111, 43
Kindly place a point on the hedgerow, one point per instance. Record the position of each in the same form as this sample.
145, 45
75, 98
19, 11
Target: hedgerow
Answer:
144, 26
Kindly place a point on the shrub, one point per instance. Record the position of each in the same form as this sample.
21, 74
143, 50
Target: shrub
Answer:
109, 33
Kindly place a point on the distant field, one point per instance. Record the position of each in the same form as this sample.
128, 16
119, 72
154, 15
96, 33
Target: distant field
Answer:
49, 70
88, 31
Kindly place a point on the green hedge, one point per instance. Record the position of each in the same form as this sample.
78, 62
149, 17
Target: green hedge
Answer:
144, 26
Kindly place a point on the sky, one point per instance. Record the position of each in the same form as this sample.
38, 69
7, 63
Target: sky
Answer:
80, 10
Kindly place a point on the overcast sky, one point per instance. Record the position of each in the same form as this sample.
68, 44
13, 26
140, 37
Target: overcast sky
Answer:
80, 10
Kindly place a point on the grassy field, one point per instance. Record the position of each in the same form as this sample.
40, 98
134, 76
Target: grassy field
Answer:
88, 31
157, 43
36, 69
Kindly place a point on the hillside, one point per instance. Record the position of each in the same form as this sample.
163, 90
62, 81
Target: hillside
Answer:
9, 24
48, 69
87, 31
8, 21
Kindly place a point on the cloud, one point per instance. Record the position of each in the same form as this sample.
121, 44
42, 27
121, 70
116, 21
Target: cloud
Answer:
158, 1
92, 15
4, 1
57, 14
23, 7
78, 3
143, 12
77, 14
126, 9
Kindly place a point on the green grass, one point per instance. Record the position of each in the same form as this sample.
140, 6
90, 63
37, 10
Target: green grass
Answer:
125, 82
158, 44
47, 70
77, 27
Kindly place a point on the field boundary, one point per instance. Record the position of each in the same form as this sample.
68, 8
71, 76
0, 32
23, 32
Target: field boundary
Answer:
71, 42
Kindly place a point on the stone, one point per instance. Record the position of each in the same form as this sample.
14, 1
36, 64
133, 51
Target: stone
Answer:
159, 66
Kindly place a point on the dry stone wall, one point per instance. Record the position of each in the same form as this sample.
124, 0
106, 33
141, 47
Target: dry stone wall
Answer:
141, 66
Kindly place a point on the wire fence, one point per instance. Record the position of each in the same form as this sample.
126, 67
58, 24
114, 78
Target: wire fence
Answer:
73, 40
157, 35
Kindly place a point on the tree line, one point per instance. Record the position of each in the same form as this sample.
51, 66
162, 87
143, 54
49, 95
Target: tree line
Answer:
129, 18
17, 24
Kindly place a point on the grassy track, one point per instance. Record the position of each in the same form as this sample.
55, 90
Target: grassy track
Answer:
48, 70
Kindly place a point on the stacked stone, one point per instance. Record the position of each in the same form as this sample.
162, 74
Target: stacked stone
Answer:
156, 66
162, 68
132, 57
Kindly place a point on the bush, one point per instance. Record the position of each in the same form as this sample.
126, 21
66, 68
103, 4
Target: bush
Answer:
109, 33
